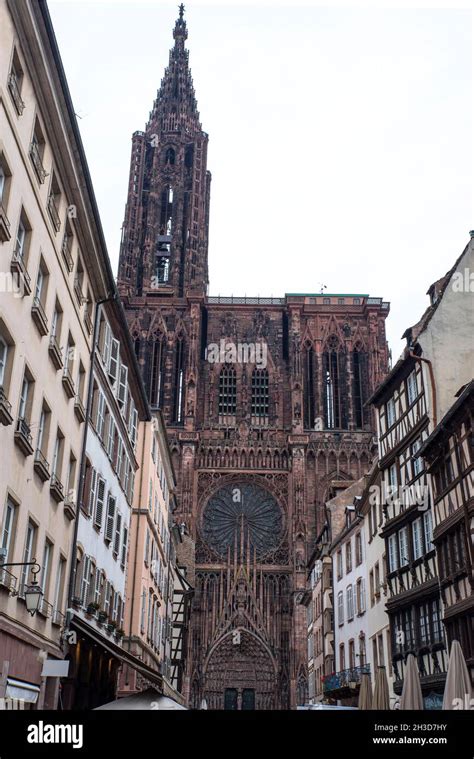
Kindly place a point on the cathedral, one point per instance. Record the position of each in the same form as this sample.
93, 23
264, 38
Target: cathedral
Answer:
264, 402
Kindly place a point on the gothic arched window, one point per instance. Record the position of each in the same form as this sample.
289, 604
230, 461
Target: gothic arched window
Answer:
309, 391
359, 373
170, 157
178, 404
260, 393
227, 391
334, 386
157, 374
166, 214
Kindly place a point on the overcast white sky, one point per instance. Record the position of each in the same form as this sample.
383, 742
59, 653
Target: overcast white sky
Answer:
340, 138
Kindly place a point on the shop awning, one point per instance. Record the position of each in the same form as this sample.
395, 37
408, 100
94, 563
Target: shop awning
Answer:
22, 691
124, 656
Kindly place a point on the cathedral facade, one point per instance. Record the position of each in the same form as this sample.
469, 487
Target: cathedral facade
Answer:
264, 401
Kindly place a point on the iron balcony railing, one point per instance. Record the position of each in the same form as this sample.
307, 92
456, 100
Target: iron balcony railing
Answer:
23, 428
15, 93
346, 678
37, 162
53, 212
66, 250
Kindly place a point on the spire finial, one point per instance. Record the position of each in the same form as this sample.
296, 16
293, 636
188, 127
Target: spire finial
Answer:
181, 10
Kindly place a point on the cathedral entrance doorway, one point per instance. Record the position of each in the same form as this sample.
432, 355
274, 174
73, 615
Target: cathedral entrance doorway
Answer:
240, 674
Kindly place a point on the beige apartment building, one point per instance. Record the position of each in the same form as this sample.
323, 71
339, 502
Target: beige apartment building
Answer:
150, 581
53, 270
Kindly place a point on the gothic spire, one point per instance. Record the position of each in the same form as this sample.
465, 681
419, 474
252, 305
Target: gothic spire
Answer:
176, 101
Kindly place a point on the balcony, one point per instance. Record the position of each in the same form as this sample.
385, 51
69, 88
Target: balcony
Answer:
69, 508
79, 409
345, 683
5, 233
66, 250
56, 489
78, 291
15, 93
53, 212
58, 618
68, 383
39, 317
23, 437
41, 466
37, 162
55, 353
6, 417
8, 581
18, 267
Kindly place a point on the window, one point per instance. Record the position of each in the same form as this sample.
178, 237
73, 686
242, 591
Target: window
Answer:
28, 553
227, 391
342, 658
417, 540
309, 388
3, 360
392, 553
15, 83
360, 595
358, 545
350, 602
403, 546
59, 588
381, 651
360, 379
114, 360
54, 201
178, 406
66, 247
390, 410
417, 460
37, 151
393, 476
352, 661
348, 557
340, 608
41, 288
100, 420
85, 581
43, 429
339, 564
26, 397
428, 530
334, 371
5, 182
56, 322
46, 567
377, 580
260, 404
412, 389
79, 282
22, 240
57, 464
326, 301
8, 530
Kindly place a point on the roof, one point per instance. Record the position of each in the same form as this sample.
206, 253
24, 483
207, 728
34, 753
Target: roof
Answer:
463, 395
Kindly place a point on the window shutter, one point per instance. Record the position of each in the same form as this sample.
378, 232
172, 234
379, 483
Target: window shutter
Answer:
100, 414
122, 386
86, 570
118, 530
133, 433
99, 506
106, 347
113, 367
110, 438
109, 527
124, 546
92, 492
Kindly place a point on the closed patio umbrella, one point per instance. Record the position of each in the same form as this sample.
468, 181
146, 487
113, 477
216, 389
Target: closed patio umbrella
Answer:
412, 697
365, 692
381, 698
145, 700
457, 690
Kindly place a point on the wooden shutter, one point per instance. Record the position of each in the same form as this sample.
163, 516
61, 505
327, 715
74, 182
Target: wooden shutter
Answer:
114, 359
109, 527
91, 487
100, 500
124, 546
122, 386
118, 530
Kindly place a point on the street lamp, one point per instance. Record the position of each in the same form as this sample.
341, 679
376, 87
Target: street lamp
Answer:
33, 592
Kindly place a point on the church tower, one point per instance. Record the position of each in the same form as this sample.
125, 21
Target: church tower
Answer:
262, 433
165, 231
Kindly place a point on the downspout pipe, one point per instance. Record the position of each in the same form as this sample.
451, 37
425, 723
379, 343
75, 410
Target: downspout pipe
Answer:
82, 472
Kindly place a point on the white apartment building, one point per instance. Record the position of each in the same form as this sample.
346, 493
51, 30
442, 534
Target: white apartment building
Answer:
53, 270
